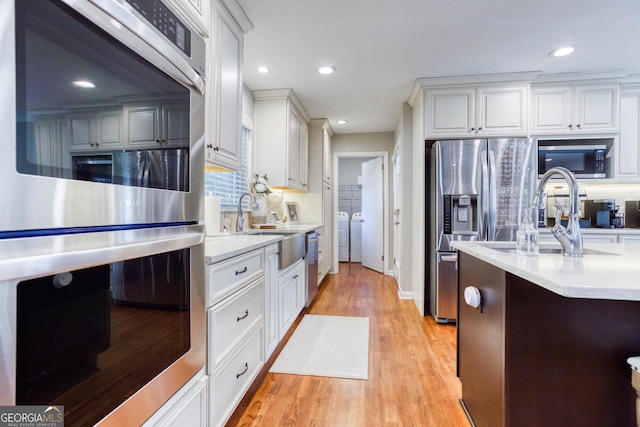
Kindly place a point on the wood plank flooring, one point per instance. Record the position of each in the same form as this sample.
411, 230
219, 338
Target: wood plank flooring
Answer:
412, 367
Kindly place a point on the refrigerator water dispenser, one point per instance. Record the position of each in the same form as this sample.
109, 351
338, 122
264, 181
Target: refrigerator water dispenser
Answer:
460, 213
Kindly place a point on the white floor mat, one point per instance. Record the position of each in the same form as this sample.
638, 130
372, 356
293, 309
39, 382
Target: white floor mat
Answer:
327, 346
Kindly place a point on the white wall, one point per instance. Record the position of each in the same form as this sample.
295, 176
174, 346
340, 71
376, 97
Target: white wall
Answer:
404, 145
418, 227
362, 143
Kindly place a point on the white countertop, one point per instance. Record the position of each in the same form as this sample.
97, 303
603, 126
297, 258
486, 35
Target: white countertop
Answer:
596, 230
221, 247
228, 245
615, 275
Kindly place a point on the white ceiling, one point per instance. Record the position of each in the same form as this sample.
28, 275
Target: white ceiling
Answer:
380, 47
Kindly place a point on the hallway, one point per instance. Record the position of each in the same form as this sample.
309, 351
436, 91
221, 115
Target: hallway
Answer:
412, 362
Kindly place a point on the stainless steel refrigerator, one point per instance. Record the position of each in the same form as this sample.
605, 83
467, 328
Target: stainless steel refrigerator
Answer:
478, 189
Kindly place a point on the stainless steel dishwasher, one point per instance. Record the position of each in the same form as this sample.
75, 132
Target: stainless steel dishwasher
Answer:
312, 266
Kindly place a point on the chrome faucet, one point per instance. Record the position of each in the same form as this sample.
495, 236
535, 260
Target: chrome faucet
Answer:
570, 237
240, 224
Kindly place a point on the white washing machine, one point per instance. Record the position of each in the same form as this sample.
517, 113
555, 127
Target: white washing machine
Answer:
343, 237
356, 237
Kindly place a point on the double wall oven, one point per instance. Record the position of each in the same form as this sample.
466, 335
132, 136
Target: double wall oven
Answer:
101, 226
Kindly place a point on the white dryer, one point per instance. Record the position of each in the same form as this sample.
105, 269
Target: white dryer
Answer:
356, 237
343, 237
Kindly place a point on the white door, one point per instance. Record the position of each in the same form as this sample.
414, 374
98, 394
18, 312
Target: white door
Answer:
372, 215
397, 203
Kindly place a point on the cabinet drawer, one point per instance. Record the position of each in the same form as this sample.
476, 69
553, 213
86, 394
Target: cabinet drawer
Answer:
225, 277
233, 379
232, 319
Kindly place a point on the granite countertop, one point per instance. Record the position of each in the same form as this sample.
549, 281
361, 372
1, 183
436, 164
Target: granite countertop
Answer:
227, 245
613, 275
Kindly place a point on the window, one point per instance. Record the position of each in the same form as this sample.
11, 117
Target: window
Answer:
229, 186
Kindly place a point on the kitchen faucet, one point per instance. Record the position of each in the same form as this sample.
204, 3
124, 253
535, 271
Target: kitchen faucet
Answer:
570, 237
240, 224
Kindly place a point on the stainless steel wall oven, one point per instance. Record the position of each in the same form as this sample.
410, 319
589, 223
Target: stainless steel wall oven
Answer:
101, 231
119, 79
108, 324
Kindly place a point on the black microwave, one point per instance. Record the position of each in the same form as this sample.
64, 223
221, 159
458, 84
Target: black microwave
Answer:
584, 161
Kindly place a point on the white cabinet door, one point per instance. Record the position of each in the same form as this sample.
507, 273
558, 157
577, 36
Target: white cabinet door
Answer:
287, 301
326, 156
599, 238
558, 110
597, 108
293, 142
95, 130
300, 275
303, 155
190, 410
502, 110
628, 152
271, 330
552, 110
477, 111
633, 239
142, 124
81, 131
175, 125
451, 112
109, 129
224, 129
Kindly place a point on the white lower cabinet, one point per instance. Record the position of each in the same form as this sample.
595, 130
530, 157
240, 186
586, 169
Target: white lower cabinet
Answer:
188, 407
594, 235
629, 238
235, 332
271, 331
292, 284
230, 381
231, 319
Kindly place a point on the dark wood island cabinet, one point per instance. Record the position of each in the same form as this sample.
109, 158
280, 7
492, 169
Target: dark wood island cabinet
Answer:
531, 357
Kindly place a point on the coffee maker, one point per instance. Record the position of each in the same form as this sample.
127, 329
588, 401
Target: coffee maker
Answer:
601, 212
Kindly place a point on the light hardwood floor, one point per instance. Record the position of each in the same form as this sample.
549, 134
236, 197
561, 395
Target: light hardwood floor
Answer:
412, 367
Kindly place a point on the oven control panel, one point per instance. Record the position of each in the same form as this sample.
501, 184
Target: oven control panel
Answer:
165, 21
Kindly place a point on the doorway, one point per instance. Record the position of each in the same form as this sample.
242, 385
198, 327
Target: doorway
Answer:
348, 199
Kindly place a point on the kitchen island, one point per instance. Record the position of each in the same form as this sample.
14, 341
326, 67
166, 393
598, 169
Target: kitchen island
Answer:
548, 344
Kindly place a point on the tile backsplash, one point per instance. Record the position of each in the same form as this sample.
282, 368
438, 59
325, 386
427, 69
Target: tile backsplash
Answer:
619, 192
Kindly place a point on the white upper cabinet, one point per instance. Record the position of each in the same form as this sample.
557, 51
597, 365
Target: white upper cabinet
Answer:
628, 165
99, 129
469, 111
223, 127
326, 156
571, 109
156, 125
281, 139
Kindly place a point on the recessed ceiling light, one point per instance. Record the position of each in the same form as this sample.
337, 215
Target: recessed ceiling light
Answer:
83, 84
263, 70
563, 51
326, 70
341, 122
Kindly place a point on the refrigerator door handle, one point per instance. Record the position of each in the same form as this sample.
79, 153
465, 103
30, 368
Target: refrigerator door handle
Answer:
493, 199
484, 202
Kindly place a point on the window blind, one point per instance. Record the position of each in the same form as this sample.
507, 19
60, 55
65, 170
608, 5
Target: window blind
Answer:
229, 186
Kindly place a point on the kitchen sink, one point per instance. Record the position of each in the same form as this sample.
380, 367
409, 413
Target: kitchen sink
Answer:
290, 249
